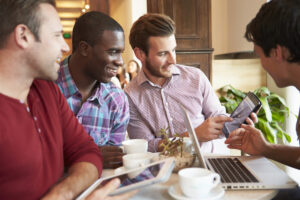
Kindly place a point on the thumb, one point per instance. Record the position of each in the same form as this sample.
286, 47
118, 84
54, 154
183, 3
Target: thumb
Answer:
103, 192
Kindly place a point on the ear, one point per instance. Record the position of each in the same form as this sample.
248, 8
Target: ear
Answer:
23, 36
84, 48
280, 53
140, 54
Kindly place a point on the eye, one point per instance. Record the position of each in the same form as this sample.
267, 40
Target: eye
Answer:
162, 53
114, 52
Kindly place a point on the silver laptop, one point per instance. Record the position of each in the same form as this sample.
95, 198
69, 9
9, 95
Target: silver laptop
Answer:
241, 172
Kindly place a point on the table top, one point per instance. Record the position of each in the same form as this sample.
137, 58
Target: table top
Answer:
160, 191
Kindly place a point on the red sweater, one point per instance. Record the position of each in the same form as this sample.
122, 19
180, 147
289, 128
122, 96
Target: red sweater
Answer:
37, 141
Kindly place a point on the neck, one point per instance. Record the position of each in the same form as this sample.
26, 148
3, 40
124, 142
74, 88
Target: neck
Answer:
154, 79
15, 78
84, 84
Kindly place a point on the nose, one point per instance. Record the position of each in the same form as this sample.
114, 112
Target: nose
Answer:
172, 58
65, 47
119, 61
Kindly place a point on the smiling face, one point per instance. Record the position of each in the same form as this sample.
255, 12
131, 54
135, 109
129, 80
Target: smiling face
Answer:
106, 56
44, 55
161, 58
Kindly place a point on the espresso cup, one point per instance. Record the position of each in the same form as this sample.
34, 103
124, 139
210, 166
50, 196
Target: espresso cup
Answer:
135, 146
197, 182
136, 160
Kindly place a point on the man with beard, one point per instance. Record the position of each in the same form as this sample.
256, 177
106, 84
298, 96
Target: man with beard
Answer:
85, 80
156, 93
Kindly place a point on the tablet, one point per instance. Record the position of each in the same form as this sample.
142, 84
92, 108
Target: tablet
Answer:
152, 173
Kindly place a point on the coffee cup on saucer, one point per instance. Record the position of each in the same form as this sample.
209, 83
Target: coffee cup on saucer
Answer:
136, 160
135, 146
197, 182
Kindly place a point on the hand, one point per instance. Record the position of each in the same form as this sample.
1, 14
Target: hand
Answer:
102, 193
211, 128
253, 119
248, 139
112, 156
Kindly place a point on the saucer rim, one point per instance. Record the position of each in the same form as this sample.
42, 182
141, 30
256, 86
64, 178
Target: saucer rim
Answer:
172, 190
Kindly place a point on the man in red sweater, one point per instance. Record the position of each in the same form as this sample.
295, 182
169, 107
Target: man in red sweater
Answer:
39, 135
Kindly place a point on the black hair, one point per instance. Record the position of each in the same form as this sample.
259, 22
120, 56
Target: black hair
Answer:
90, 26
277, 23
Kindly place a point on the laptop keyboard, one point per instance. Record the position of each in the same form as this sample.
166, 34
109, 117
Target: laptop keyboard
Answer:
232, 170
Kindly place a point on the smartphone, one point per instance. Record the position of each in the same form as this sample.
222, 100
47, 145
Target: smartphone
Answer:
152, 173
249, 104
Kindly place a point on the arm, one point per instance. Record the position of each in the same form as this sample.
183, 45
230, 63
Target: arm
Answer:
80, 176
214, 113
80, 155
139, 128
251, 141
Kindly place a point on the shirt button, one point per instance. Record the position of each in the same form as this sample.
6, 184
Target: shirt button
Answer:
39, 130
34, 118
171, 119
28, 110
167, 104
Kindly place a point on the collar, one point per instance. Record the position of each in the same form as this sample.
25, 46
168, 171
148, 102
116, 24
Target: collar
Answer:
69, 87
141, 77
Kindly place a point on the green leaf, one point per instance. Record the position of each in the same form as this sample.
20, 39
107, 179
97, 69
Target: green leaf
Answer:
276, 98
266, 108
267, 130
262, 92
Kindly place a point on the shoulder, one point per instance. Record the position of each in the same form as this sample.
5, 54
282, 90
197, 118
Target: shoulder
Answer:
192, 73
132, 86
111, 91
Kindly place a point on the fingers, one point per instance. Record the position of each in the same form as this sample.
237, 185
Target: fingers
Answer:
102, 193
222, 119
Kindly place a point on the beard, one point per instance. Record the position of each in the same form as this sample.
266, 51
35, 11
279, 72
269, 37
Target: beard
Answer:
154, 71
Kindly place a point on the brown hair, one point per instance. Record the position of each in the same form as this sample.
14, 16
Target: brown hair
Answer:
150, 25
15, 12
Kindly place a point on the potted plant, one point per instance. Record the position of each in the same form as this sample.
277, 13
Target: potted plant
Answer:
271, 116
175, 147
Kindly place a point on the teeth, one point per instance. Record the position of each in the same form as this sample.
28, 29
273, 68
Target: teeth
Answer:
112, 70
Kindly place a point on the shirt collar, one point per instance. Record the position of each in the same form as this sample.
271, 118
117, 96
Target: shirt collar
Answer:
141, 76
69, 87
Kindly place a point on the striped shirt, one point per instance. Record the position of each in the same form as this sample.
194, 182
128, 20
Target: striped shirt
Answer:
153, 107
104, 115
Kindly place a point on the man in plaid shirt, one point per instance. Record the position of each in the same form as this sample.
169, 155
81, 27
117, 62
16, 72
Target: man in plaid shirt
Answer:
84, 79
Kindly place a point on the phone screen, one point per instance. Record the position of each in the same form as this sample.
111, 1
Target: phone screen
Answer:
239, 115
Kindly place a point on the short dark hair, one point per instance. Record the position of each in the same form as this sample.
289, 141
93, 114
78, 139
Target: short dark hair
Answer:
90, 26
277, 23
15, 12
148, 25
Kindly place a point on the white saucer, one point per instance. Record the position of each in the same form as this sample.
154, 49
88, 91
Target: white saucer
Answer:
177, 194
119, 170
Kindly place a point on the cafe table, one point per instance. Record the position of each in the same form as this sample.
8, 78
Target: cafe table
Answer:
160, 191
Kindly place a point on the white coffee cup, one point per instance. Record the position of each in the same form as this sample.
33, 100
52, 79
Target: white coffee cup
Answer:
135, 146
197, 182
136, 160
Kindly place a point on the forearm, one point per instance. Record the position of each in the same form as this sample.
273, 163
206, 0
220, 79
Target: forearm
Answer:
79, 177
288, 155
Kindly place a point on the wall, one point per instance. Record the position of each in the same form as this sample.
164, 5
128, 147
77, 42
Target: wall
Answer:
126, 12
229, 20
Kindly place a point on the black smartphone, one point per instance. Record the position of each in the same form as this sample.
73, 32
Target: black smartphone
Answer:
249, 104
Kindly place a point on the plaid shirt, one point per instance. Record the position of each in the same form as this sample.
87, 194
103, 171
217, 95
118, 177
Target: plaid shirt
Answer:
104, 115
